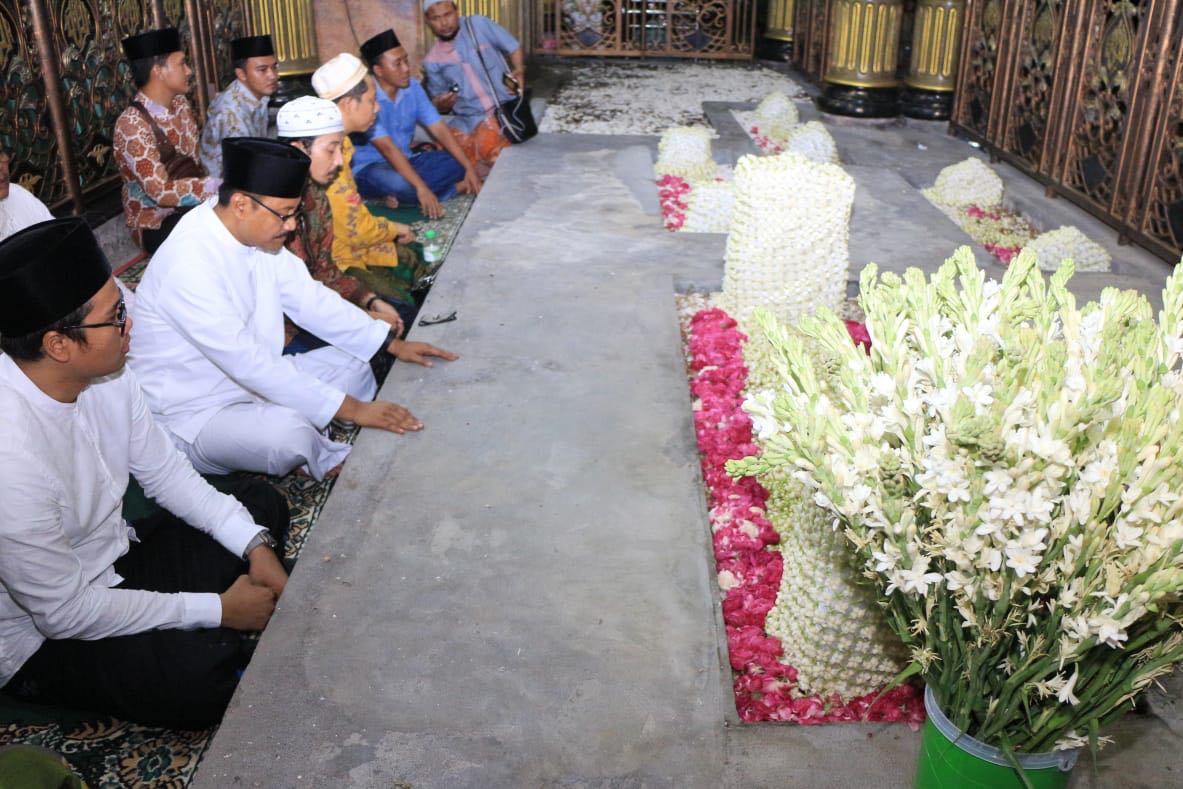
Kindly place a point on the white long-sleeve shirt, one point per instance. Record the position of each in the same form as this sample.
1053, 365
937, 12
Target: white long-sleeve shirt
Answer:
19, 210
63, 472
209, 328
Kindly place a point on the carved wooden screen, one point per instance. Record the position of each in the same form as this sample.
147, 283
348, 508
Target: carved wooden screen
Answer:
983, 59
95, 78
1104, 102
1083, 94
58, 130
26, 131
657, 28
1035, 91
1159, 216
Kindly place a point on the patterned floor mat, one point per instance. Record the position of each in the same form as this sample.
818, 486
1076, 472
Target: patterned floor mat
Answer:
111, 754
446, 227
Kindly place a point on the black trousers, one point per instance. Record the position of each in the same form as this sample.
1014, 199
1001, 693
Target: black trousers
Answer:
176, 678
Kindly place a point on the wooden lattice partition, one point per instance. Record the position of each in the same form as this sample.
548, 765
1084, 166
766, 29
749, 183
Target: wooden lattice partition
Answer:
63, 82
652, 28
1085, 96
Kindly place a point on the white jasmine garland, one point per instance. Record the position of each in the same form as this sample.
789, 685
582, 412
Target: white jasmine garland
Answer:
832, 628
1056, 245
788, 247
970, 182
1008, 468
709, 206
812, 141
685, 151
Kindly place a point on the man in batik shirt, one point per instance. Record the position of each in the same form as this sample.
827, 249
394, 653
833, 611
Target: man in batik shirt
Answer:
368, 247
241, 109
314, 126
153, 134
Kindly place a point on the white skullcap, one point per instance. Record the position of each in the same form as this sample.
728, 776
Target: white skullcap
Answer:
308, 116
429, 3
338, 76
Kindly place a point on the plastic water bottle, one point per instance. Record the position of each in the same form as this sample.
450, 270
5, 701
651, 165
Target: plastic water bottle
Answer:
433, 253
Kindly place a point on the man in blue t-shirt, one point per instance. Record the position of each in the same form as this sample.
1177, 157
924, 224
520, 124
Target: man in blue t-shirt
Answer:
383, 164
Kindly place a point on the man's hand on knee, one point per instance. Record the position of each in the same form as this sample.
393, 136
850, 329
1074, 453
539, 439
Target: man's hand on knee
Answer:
246, 605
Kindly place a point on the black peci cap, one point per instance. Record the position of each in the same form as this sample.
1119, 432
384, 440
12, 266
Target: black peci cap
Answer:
264, 167
152, 43
47, 271
373, 48
251, 47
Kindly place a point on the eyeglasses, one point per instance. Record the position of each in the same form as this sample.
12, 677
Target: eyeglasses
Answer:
284, 218
120, 321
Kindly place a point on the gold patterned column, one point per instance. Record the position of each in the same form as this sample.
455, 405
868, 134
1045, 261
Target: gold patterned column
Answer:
779, 23
290, 25
860, 77
936, 45
777, 37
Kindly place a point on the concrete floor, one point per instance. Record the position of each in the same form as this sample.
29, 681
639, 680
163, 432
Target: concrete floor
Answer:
524, 594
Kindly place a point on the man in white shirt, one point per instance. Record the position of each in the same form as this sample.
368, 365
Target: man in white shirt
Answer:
138, 622
18, 207
209, 346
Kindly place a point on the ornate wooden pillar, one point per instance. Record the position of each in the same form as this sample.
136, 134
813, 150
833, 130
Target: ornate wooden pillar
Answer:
50, 73
860, 76
936, 47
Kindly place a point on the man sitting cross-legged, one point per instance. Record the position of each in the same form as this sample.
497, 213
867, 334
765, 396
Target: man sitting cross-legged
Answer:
466, 75
210, 310
136, 621
360, 239
155, 140
385, 165
241, 109
383, 287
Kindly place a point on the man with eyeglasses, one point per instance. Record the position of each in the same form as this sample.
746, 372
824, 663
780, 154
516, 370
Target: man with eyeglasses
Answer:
209, 350
136, 620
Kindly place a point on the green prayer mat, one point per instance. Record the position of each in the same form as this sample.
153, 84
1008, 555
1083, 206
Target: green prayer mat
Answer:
446, 227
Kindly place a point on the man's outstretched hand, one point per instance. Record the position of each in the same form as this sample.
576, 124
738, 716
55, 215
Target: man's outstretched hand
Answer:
419, 352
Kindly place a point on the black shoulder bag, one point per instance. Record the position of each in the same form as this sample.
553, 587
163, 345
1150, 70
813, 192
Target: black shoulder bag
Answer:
514, 116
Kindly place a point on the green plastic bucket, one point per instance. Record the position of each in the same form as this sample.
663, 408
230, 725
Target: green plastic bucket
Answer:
952, 760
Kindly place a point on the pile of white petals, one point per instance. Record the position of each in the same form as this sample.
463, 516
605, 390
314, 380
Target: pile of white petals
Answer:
1008, 469
776, 115
685, 151
812, 141
970, 182
710, 205
788, 247
1068, 242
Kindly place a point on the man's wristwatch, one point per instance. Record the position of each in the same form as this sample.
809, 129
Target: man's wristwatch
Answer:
262, 538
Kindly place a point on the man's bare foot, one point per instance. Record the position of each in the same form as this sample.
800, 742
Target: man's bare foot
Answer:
390, 201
